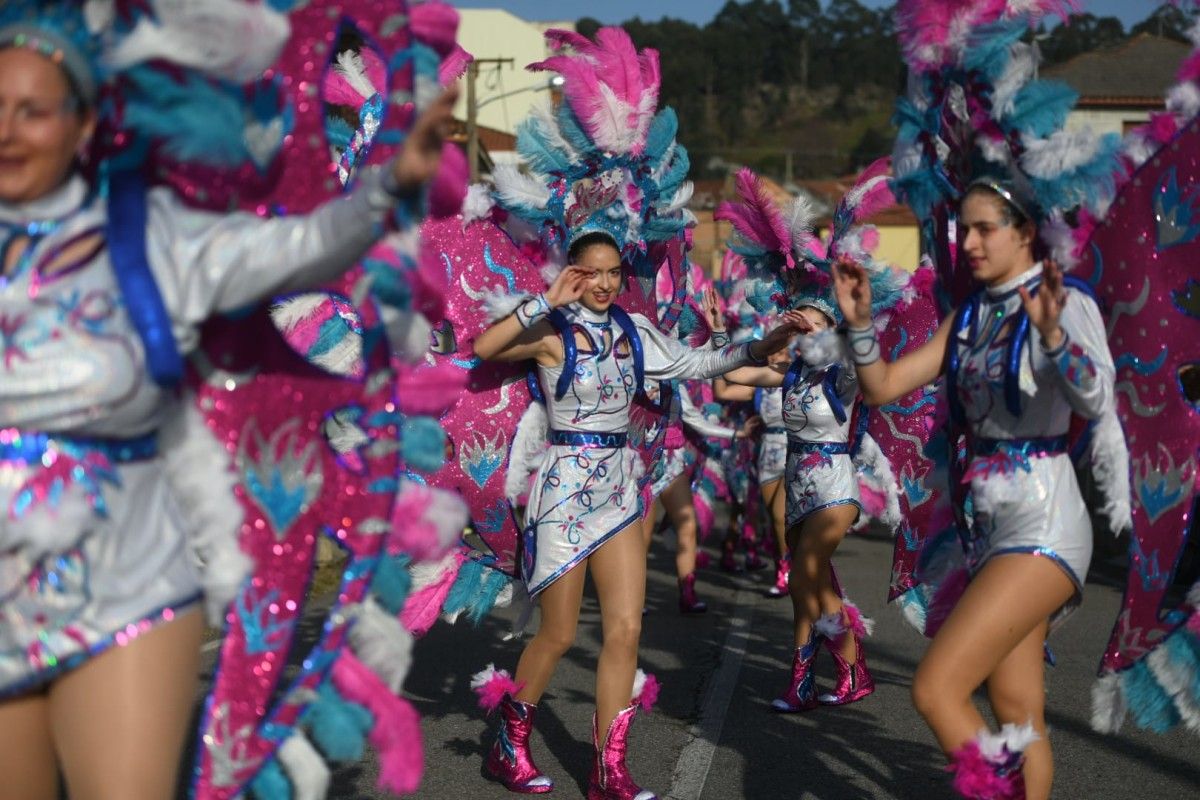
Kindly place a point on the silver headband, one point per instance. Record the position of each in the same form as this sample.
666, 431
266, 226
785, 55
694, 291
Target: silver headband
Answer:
1003, 191
59, 50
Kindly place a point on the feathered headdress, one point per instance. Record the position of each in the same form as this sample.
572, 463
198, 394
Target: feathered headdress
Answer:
787, 265
602, 161
975, 109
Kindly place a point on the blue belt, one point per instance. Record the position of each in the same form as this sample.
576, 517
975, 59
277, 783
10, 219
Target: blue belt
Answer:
826, 448
28, 447
1044, 446
584, 439
774, 429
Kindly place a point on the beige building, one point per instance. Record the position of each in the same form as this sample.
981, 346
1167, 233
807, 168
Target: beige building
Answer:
1120, 87
504, 92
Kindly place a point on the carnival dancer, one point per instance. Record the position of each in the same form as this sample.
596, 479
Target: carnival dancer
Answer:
100, 620
771, 461
789, 274
673, 487
1019, 358
584, 500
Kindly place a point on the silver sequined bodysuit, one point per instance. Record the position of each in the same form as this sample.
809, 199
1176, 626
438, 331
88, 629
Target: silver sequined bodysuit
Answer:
819, 473
772, 446
1025, 498
584, 494
93, 555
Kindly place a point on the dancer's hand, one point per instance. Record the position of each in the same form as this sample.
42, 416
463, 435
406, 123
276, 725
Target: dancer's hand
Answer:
774, 341
853, 290
1046, 307
569, 286
750, 427
421, 156
800, 323
712, 311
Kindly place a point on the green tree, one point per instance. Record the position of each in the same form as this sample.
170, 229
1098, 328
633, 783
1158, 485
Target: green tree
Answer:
1081, 34
1166, 20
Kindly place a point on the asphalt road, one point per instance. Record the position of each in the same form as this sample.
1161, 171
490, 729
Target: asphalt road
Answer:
713, 735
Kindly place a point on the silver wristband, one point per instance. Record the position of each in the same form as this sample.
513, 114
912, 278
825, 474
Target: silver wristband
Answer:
864, 345
532, 310
720, 338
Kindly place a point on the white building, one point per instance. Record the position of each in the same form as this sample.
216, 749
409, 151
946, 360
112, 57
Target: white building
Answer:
504, 93
1120, 87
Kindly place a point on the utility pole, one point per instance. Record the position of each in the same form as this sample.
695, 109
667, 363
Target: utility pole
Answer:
473, 112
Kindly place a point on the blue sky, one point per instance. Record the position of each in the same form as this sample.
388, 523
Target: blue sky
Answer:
1130, 12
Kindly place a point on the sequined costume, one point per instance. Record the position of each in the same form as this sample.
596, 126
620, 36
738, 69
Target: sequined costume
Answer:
92, 543
586, 488
816, 412
682, 459
1025, 498
772, 445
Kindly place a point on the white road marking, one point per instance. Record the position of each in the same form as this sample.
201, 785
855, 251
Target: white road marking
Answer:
691, 770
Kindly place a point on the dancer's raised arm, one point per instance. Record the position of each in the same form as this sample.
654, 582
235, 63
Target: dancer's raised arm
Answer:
880, 381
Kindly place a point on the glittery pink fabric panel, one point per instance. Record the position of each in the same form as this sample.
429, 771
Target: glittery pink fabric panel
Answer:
1143, 261
270, 409
480, 426
906, 430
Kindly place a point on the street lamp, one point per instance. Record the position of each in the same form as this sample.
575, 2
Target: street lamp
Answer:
474, 105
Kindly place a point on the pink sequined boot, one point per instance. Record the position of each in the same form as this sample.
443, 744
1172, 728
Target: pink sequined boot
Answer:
610, 778
782, 567
510, 761
989, 766
801, 695
854, 681
689, 603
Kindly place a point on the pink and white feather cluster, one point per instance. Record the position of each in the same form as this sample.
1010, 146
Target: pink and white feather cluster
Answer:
612, 88
934, 33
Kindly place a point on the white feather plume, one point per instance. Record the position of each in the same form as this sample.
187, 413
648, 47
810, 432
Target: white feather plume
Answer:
518, 189
202, 481
682, 196
1184, 100
528, 450
306, 770
497, 303
821, 348
350, 66
229, 39
1137, 146
1108, 704
1062, 152
1056, 235
381, 643
1177, 677
478, 203
831, 626
548, 130
1013, 738
800, 215
1021, 68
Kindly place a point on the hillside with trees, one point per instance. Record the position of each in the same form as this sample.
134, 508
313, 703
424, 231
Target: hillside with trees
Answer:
805, 89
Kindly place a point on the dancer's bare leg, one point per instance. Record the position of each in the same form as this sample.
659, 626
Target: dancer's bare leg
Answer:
559, 604
619, 572
120, 721
810, 582
1016, 690
1001, 615
680, 507
27, 759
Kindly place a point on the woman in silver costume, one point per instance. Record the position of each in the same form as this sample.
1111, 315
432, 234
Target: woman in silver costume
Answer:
584, 499
99, 637
1031, 537
819, 391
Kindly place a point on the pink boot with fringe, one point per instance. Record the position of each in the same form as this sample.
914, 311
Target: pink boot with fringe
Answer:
689, 601
989, 766
610, 779
854, 681
509, 761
